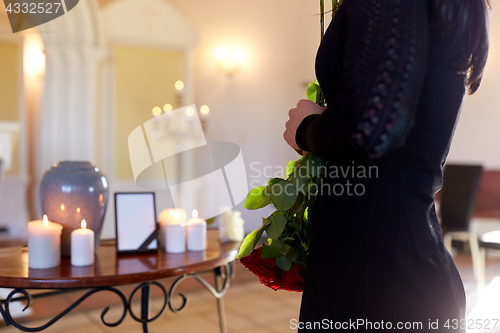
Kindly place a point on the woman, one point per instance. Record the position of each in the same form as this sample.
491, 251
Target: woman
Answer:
394, 73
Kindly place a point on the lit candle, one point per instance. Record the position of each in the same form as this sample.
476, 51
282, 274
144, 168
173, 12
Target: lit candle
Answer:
44, 243
168, 215
196, 233
82, 246
172, 230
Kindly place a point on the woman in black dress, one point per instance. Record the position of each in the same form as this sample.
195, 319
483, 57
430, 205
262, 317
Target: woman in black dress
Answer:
394, 74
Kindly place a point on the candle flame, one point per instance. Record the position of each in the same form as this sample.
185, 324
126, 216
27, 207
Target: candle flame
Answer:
45, 220
195, 214
62, 207
171, 213
78, 209
176, 215
84, 224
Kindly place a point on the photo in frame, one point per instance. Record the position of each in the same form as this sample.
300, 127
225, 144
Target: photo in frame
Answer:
135, 221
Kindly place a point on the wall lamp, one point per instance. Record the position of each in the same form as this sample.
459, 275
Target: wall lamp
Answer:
228, 64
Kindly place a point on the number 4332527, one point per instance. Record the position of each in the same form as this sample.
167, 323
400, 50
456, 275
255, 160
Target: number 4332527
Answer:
480, 324
33, 8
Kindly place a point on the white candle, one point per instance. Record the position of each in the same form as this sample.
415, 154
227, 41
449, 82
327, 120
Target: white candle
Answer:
196, 233
172, 230
82, 246
44, 243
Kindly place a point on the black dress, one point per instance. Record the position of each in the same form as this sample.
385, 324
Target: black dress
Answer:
394, 94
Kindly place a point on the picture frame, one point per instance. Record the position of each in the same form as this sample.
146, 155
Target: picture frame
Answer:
135, 222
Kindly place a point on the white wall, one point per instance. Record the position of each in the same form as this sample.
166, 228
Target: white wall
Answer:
279, 40
477, 137
279, 46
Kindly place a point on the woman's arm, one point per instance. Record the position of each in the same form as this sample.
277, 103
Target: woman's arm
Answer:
374, 105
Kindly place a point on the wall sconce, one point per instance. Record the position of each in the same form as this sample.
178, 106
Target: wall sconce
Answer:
228, 65
34, 57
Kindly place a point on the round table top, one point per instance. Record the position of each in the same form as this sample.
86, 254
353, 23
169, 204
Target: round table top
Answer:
111, 269
490, 240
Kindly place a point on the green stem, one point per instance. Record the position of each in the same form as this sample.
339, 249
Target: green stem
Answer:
335, 6
322, 18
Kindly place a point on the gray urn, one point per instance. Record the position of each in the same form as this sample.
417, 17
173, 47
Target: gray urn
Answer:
70, 192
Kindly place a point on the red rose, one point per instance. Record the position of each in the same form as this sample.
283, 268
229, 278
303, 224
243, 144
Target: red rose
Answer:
273, 276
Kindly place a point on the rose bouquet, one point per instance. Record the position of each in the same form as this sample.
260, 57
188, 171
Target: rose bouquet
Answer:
281, 263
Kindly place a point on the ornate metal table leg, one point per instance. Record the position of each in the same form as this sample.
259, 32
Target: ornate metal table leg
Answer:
145, 299
221, 286
5, 312
145, 307
220, 301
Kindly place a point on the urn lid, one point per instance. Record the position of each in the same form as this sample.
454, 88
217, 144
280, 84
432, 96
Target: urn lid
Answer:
75, 165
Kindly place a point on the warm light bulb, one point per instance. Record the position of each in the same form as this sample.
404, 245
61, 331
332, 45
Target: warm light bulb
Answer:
204, 109
34, 57
195, 214
220, 53
189, 112
45, 220
84, 224
179, 85
167, 107
156, 111
237, 55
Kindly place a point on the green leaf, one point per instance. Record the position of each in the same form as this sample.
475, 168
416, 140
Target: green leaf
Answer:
265, 223
270, 252
274, 250
299, 203
211, 220
312, 188
313, 91
284, 262
292, 166
249, 243
299, 180
283, 195
276, 227
318, 161
257, 198
313, 165
292, 254
272, 181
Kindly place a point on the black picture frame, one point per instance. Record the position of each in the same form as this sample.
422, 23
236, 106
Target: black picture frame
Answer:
135, 222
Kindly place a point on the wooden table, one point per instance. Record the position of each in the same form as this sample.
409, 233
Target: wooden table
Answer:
112, 270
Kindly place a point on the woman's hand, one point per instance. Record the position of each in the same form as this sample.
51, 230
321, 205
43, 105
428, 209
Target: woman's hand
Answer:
304, 108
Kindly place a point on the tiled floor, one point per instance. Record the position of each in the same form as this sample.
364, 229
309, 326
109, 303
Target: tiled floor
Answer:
250, 307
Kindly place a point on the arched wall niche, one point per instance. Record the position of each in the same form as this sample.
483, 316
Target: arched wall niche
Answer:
155, 28
13, 183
